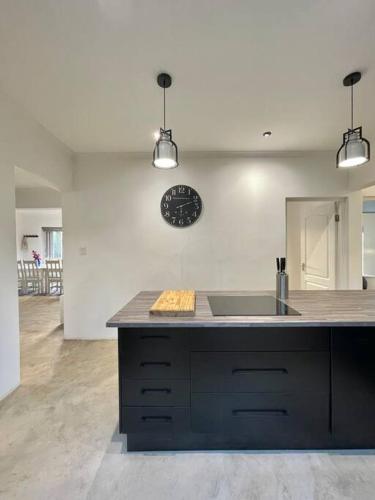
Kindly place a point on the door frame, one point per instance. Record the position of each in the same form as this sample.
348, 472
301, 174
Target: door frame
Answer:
341, 235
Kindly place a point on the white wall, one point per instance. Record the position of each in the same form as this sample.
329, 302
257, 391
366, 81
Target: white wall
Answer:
23, 143
363, 176
38, 198
114, 213
9, 340
31, 221
355, 201
26, 144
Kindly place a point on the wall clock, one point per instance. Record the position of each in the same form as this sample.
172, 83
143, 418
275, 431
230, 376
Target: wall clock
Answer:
181, 206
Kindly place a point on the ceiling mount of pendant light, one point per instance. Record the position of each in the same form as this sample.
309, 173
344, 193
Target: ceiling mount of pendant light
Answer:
355, 149
165, 151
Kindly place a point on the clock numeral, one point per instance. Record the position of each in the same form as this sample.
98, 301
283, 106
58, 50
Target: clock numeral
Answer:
194, 214
167, 214
181, 190
173, 220
174, 192
165, 205
168, 197
181, 222
188, 220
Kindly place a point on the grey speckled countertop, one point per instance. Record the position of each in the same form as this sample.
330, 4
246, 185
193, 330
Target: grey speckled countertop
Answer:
317, 308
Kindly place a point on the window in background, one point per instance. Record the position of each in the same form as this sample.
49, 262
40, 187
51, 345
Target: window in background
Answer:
54, 242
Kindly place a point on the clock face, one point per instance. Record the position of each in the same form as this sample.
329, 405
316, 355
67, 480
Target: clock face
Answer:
181, 206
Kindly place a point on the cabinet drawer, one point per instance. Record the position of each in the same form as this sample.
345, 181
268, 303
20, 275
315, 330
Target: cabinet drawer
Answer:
277, 419
156, 392
150, 365
260, 339
157, 340
156, 419
148, 354
259, 371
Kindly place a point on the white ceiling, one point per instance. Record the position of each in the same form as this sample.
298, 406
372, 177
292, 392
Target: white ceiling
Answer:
86, 70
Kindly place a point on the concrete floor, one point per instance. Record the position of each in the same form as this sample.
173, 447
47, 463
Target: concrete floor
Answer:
59, 440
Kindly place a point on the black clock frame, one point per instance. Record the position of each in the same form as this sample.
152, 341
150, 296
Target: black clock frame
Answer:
192, 208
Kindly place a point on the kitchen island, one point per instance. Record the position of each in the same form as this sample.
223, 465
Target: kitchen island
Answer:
249, 382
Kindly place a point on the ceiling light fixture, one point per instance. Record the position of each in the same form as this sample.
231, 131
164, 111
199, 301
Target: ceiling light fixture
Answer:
355, 149
165, 151
268, 133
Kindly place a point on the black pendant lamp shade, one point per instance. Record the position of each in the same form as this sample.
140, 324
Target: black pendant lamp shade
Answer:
165, 152
355, 149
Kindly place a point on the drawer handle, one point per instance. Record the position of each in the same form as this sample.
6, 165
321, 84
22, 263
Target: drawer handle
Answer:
157, 417
261, 413
155, 363
145, 390
236, 371
165, 337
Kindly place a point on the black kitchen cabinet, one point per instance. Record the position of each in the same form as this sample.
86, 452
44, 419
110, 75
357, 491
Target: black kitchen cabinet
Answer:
353, 387
247, 388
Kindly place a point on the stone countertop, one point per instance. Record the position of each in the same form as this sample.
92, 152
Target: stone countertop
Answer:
317, 308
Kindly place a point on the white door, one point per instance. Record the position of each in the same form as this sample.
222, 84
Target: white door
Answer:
318, 246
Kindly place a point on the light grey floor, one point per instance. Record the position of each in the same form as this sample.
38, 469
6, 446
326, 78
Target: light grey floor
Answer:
59, 440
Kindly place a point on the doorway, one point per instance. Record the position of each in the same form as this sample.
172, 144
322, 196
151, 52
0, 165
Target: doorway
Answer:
316, 243
39, 251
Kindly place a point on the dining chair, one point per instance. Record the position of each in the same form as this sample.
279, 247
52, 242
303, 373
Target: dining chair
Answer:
33, 279
21, 277
54, 277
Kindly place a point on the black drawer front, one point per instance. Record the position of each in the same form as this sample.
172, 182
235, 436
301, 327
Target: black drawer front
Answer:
146, 354
156, 392
260, 339
156, 419
149, 365
260, 371
157, 340
282, 419
354, 420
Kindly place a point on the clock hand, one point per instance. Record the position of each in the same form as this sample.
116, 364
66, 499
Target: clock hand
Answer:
179, 206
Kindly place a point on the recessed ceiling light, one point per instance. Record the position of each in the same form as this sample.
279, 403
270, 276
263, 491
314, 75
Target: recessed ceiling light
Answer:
268, 133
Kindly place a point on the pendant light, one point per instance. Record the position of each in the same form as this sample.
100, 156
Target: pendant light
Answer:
355, 149
165, 151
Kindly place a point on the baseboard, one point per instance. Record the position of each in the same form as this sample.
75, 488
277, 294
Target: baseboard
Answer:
8, 393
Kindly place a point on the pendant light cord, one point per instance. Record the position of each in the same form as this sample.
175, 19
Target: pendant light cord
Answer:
352, 102
164, 108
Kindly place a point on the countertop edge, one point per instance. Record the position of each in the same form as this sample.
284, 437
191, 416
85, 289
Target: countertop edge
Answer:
265, 324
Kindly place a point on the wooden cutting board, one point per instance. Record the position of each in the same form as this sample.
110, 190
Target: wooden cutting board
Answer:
174, 303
